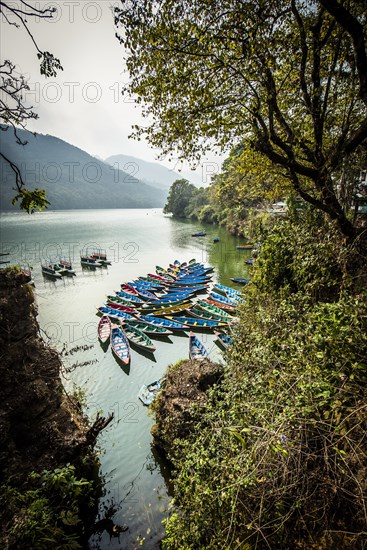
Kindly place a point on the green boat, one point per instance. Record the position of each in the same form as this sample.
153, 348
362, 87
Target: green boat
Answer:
215, 310
159, 307
138, 337
118, 300
148, 328
205, 315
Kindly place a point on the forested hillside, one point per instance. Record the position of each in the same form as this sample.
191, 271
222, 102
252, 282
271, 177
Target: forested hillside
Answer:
71, 177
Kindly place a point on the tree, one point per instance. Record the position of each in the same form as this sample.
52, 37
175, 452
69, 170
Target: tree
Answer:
289, 76
179, 197
13, 111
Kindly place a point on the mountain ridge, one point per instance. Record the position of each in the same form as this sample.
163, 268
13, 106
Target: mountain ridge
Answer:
71, 177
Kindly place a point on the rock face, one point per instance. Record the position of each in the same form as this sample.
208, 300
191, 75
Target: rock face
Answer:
178, 404
40, 427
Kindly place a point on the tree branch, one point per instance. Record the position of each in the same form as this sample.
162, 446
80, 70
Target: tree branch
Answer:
355, 30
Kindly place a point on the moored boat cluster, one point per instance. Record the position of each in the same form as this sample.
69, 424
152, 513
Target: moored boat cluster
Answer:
179, 298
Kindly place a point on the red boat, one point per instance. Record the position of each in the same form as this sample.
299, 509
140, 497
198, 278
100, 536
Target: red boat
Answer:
121, 307
104, 329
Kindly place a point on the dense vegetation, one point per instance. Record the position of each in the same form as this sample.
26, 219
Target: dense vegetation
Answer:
277, 458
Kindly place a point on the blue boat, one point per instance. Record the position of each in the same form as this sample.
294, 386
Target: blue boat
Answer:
197, 323
216, 240
224, 339
227, 290
130, 297
196, 348
146, 295
172, 325
115, 313
120, 345
222, 299
199, 234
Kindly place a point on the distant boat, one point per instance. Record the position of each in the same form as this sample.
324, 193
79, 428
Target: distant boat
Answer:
104, 328
88, 261
250, 261
120, 344
196, 348
216, 240
199, 234
50, 271
66, 266
101, 256
240, 280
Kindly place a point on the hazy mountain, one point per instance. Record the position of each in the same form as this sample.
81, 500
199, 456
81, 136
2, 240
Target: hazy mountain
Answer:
151, 173
71, 177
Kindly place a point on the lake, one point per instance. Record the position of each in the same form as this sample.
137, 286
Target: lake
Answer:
136, 478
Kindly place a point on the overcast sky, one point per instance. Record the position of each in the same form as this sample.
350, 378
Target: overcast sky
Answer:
83, 104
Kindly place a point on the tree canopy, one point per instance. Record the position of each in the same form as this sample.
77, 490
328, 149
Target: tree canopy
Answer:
179, 196
288, 76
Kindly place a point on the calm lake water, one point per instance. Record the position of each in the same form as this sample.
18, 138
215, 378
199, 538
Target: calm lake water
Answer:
136, 241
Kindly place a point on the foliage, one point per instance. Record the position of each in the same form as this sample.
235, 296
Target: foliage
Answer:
47, 511
179, 197
249, 178
284, 438
278, 457
300, 256
289, 76
13, 111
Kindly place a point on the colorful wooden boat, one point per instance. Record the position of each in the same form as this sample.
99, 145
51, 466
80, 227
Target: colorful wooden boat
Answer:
173, 309
222, 299
226, 290
224, 339
138, 337
240, 280
158, 306
167, 323
149, 328
197, 349
199, 313
225, 307
104, 328
146, 294
120, 344
131, 297
122, 307
126, 287
197, 323
214, 310
115, 313
148, 283
118, 300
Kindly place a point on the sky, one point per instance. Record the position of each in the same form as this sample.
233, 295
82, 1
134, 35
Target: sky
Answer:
83, 105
